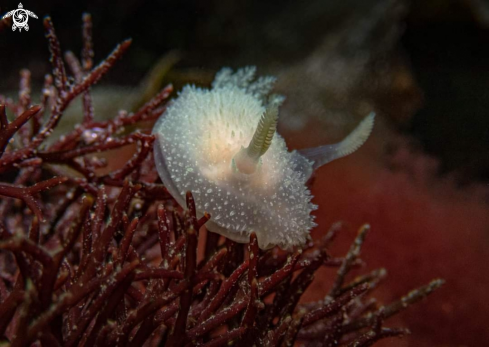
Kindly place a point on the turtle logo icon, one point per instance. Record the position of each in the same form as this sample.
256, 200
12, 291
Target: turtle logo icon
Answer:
20, 17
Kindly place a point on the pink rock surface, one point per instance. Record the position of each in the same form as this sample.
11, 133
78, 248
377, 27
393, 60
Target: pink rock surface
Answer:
423, 227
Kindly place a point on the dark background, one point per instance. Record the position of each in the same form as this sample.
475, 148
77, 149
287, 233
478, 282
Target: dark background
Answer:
445, 42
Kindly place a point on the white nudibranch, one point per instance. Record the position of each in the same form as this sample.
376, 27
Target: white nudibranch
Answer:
221, 144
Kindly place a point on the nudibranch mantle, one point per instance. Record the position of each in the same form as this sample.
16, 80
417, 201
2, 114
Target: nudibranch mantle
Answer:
221, 144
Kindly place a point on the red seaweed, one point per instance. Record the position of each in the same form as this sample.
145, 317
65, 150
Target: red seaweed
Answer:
112, 260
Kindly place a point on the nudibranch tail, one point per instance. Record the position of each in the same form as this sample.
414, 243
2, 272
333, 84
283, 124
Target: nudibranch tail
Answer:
324, 154
247, 159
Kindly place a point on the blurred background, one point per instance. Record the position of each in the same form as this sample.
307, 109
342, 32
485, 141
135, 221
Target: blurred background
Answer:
422, 181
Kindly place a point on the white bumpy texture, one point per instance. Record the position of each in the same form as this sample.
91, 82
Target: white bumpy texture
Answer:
197, 138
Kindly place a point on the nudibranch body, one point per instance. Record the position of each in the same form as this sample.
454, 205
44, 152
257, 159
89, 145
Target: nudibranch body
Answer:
222, 145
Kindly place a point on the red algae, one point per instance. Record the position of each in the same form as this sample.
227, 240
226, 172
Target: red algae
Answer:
425, 226
93, 255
